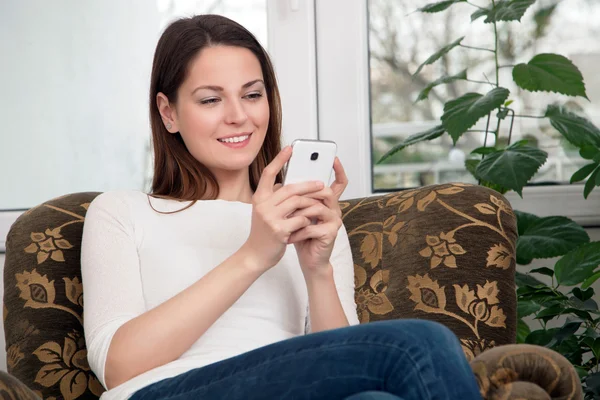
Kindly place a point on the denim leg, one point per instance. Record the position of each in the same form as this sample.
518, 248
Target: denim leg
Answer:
410, 359
373, 395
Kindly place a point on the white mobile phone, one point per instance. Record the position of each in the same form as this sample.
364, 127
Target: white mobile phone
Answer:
311, 160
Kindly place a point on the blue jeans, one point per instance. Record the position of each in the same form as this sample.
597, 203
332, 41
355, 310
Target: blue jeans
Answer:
388, 360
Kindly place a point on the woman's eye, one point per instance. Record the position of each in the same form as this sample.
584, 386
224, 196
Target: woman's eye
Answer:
209, 101
254, 96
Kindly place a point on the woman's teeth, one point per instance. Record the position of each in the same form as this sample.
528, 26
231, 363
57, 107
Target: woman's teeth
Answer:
234, 139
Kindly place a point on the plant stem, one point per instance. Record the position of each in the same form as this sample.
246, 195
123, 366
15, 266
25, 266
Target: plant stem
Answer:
487, 128
481, 130
475, 5
512, 122
476, 48
484, 82
530, 116
496, 47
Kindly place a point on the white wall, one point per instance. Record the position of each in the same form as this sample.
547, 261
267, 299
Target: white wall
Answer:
74, 78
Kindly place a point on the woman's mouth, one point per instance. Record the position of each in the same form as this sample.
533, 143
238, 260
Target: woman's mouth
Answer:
236, 142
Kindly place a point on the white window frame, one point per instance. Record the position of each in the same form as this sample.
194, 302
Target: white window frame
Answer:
343, 107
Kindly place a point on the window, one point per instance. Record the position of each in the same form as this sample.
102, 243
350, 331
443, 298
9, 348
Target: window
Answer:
401, 39
366, 106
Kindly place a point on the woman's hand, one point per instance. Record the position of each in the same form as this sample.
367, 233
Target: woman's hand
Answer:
314, 243
272, 224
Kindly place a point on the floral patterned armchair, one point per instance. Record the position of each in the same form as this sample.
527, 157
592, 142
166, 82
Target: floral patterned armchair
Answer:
442, 252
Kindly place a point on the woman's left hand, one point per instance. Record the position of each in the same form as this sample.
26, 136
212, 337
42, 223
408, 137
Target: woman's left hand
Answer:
314, 243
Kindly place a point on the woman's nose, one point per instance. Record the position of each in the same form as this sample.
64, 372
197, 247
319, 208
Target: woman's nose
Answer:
235, 113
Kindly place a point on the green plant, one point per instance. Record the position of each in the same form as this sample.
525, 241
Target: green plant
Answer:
512, 166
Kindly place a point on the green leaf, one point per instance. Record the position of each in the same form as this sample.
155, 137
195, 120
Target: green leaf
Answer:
522, 331
462, 113
541, 337
595, 346
550, 312
583, 295
524, 280
550, 237
542, 19
569, 328
583, 172
502, 113
525, 308
412, 139
577, 130
544, 271
482, 12
439, 6
471, 166
437, 55
578, 264
550, 73
505, 10
590, 281
462, 75
524, 220
589, 152
512, 167
484, 150
591, 182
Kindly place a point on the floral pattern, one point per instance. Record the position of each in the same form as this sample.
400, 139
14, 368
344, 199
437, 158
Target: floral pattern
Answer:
442, 249
68, 366
48, 244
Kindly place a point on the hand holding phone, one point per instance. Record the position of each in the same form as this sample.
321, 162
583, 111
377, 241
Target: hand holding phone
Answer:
311, 160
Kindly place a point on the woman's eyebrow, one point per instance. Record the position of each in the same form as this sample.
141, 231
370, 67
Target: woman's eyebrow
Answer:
220, 89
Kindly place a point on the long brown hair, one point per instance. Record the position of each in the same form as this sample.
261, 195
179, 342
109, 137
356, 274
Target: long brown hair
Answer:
177, 174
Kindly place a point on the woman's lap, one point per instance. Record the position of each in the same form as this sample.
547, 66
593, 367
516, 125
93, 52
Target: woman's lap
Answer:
411, 359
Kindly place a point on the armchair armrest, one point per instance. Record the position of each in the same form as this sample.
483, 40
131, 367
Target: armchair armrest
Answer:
13, 389
523, 371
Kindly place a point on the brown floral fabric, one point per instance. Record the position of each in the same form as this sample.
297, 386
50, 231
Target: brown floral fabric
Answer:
443, 252
526, 372
43, 301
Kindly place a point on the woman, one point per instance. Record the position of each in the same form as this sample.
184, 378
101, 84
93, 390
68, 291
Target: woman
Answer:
194, 291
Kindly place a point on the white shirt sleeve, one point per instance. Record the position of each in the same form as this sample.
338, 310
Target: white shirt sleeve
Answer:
112, 289
343, 276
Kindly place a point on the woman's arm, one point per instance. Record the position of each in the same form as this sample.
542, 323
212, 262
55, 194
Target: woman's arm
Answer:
124, 340
325, 309
331, 294
165, 332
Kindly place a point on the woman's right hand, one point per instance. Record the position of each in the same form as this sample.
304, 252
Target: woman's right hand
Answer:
271, 206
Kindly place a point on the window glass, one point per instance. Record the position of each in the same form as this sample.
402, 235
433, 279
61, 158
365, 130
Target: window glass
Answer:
401, 39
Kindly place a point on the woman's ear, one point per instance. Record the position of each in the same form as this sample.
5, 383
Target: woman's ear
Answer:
167, 112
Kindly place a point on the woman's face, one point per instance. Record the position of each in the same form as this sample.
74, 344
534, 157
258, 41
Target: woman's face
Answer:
222, 109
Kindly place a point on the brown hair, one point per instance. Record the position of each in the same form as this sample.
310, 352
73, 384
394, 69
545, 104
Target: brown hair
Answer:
177, 174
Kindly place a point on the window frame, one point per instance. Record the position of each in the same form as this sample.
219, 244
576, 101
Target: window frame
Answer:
344, 114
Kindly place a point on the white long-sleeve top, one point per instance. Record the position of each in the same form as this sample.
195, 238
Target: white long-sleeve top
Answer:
134, 258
